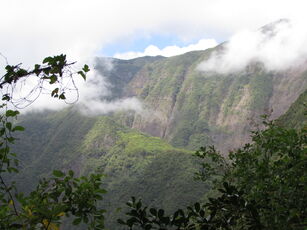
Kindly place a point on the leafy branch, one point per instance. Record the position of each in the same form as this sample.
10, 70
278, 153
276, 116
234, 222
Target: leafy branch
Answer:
55, 198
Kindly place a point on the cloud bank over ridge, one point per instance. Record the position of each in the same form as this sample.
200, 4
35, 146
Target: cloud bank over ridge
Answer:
90, 94
278, 46
34, 29
168, 51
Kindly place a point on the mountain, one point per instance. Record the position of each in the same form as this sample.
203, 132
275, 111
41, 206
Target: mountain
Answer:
295, 117
134, 164
190, 108
149, 154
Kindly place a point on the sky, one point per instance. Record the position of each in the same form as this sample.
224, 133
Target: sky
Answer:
34, 29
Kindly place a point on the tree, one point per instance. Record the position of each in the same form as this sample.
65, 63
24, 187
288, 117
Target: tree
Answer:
60, 196
261, 186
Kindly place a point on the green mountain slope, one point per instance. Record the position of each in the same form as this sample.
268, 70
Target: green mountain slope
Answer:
149, 154
295, 117
134, 163
120, 72
190, 108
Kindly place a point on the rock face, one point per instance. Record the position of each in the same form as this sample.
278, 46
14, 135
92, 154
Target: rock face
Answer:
190, 108
186, 107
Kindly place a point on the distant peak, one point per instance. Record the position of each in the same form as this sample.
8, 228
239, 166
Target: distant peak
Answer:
271, 29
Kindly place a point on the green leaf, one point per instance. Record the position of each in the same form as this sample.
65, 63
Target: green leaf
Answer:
11, 113
6, 97
62, 96
76, 221
86, 68
82, 74
47, 60
9, 125
153, 211
71, 173
58, 173
103, 191
197, 207
120, 221
55, 92
18, 128
53, 79
160, 213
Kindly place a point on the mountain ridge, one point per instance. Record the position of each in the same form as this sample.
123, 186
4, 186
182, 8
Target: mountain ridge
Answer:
149, 155
174, 92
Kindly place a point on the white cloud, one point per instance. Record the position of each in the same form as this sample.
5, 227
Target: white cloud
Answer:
168, 51
34, 29
278, 46
103, 107
96, 88
90, 95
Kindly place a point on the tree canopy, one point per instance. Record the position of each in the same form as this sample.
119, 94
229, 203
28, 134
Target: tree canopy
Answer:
259, 186
62, 195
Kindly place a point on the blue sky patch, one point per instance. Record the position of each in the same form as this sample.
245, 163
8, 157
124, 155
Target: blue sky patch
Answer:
139, 43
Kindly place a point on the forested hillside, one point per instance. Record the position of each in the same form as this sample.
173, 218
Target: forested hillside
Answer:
133, 163
149, 154
295, 117
153, 115
190, 108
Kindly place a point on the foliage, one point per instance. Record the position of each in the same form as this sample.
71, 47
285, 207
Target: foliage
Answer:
134, 164
55, 198
52, 200
272, 171
139, 165
53, 70
219, 213
262, 186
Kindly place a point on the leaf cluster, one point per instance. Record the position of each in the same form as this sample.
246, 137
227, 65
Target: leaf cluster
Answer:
224, 212
53, 70
56, 198
261, 186
60, 196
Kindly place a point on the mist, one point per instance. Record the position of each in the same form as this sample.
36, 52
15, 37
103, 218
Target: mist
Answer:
278, 46
89, 96
94, 91
83, 29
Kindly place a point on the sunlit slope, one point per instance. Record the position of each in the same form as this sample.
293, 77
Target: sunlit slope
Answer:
190, 108
296, 116
133, 163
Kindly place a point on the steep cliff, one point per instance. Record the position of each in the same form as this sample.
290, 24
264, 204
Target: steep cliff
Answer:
190, 108
296, 116
148, 154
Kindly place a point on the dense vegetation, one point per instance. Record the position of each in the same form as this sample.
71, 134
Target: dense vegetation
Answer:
62, 194
191, 108
133, 163
260, 186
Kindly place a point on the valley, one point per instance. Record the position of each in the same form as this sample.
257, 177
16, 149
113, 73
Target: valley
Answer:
149, 154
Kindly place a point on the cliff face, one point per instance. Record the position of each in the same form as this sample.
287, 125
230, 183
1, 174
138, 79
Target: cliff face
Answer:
295, 117
190, 108
184, 109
